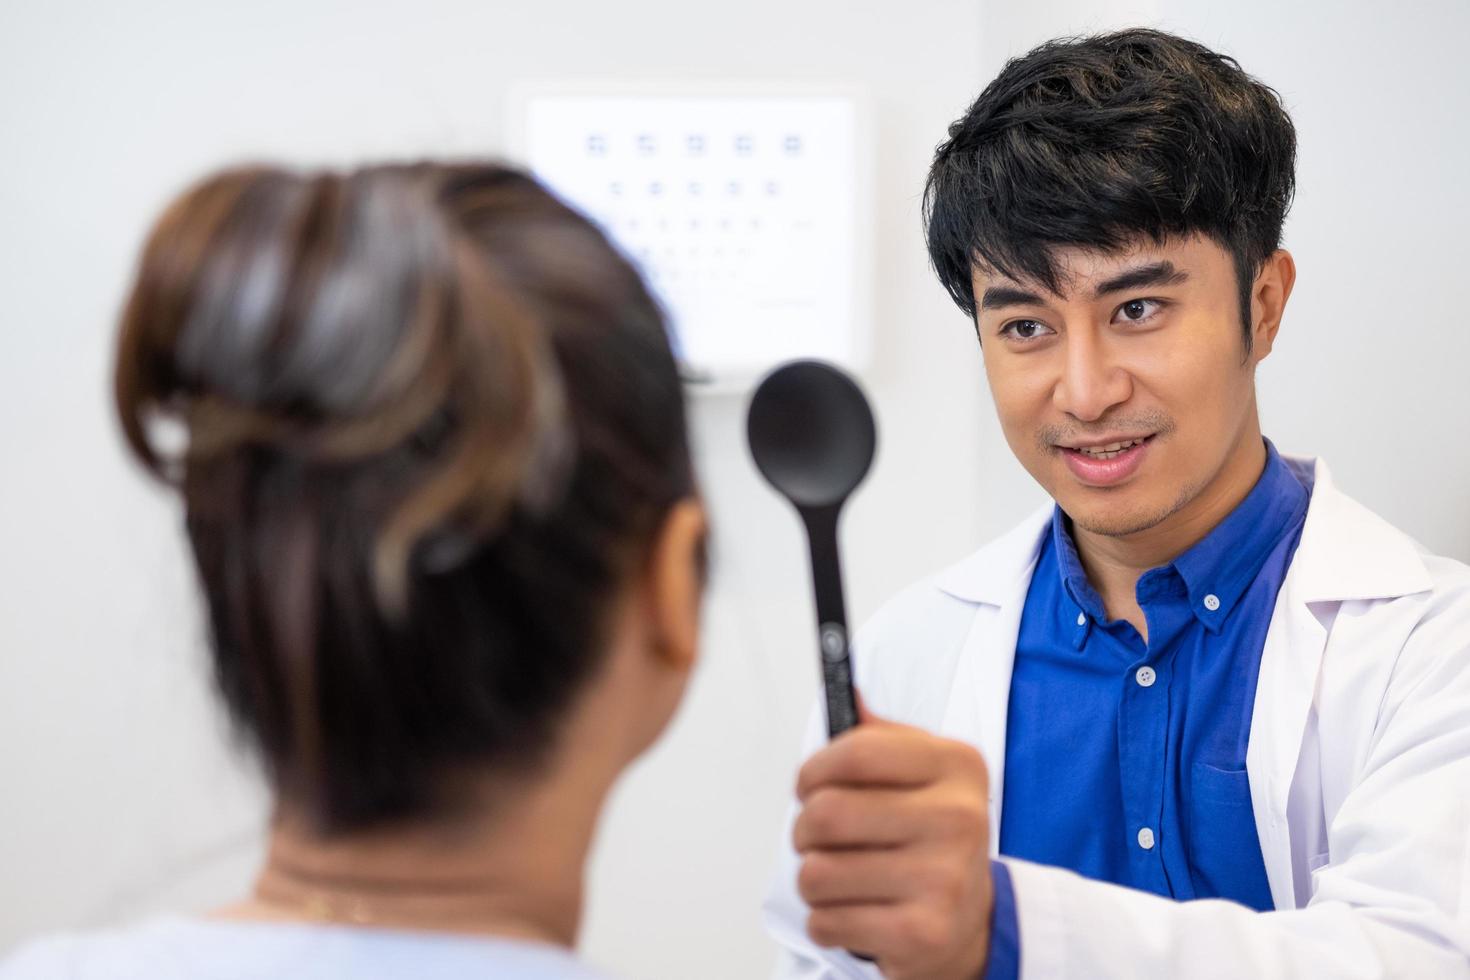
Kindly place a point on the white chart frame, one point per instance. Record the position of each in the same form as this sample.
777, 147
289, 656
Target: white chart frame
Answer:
724, 378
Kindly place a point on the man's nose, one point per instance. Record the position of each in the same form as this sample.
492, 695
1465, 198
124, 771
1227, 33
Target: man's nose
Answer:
1091, 382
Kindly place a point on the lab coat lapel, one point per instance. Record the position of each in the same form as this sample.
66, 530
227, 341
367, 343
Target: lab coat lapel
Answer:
996, 578
1346, 553
1290, 661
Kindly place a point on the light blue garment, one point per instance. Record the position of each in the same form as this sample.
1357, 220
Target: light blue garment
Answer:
199, 949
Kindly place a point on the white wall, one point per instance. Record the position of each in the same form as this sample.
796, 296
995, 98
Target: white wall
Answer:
1371, 368
119, 795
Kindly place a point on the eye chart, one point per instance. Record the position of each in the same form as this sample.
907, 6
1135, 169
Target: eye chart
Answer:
745, 213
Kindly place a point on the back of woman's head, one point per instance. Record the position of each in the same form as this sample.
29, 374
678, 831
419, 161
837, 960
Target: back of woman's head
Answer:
432, 423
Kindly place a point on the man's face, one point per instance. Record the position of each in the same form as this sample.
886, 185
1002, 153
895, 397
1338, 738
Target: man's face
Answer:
1127, 396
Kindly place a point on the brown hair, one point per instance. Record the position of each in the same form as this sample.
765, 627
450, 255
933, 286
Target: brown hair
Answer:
432, 422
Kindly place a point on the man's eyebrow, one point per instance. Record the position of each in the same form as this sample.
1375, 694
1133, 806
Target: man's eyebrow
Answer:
996, 297
1160, 273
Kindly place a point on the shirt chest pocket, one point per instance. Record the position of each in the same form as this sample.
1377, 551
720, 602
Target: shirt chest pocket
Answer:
1224, 851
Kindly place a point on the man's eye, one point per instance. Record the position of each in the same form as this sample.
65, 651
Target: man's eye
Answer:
1139, 310
1025, 329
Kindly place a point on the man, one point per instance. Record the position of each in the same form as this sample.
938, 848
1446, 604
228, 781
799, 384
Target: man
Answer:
1205, 716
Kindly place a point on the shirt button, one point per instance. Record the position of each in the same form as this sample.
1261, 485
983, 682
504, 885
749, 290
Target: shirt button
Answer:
1082, 619
1212, 602
1145, 677
1146, 839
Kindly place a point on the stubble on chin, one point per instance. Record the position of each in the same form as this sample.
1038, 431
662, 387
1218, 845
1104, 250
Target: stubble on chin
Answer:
1108, 520
1121, 523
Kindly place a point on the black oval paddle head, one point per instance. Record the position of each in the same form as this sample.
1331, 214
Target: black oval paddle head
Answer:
811, 433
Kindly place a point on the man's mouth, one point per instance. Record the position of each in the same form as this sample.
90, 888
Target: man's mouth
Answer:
1108, 461
1111, 449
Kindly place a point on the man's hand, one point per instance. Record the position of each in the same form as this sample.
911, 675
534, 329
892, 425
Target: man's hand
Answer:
894, 840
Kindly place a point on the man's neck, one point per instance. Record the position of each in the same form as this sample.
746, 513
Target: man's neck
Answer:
1115, 563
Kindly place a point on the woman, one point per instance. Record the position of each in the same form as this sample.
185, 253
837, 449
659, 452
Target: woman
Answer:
436, 479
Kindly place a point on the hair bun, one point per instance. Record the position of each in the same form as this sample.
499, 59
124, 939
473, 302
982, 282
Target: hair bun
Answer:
340, 320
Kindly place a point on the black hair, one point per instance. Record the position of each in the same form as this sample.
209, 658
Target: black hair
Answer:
1096, 141
433, 425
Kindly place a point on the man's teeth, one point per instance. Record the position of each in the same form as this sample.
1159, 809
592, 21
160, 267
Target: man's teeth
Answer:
1108, 451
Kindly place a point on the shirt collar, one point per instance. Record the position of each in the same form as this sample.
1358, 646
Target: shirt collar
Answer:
1226, 561
1346, 552
1219, 568
1074, 578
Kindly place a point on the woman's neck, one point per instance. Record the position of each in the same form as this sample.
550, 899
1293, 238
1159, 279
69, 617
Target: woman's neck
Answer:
511, 867
511, 862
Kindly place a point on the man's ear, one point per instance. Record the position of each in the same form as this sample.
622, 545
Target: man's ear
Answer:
1269, 294
675, 584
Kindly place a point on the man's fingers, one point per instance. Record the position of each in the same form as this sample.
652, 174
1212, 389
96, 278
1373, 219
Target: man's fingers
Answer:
880, 930
842, 817
873, 754
893, 832
853, 877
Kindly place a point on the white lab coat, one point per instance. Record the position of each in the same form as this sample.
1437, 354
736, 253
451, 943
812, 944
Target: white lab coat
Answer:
1358, 763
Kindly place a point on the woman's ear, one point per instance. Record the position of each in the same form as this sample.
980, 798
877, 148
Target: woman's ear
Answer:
675, 584
1268, 300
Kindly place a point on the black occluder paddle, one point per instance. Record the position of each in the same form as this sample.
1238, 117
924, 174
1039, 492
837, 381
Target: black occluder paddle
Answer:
812, 435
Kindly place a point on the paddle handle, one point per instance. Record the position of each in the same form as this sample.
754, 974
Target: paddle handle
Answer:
832, 638
832, 641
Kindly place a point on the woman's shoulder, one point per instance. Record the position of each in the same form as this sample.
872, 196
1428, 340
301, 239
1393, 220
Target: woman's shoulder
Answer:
123, 954
199, 949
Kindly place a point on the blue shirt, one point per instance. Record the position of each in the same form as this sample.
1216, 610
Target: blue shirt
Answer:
1125, 760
